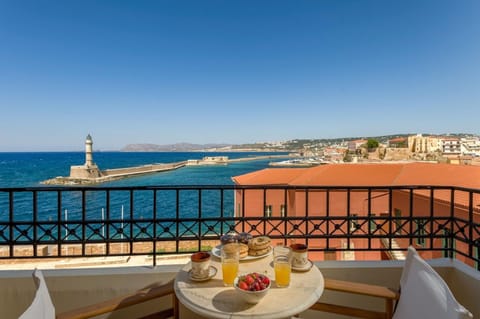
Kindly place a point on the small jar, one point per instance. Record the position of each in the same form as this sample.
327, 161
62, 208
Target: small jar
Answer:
228, 238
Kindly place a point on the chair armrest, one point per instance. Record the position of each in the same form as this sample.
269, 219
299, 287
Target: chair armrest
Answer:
387, 294
361, 289
148, 293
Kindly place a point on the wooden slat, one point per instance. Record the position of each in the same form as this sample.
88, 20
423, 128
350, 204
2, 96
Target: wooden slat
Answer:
361, 289
146, 294
168, 313
348, 311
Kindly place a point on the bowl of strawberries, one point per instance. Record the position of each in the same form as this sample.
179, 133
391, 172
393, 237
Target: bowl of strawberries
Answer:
252, 287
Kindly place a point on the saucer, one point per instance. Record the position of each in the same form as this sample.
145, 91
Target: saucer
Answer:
303, 268
211, 273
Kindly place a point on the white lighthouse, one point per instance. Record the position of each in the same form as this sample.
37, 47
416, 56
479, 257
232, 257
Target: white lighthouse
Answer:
89, 171
88, 151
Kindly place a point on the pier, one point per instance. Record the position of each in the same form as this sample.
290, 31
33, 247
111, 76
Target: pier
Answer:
79, 175
114, 174
89, 173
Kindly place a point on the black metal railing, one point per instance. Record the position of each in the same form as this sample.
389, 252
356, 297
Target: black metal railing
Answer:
46, 222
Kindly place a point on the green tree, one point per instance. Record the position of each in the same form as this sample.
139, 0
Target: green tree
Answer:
372, 143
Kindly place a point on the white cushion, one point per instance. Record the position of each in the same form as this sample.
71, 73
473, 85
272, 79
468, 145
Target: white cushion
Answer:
42, 306
424, 294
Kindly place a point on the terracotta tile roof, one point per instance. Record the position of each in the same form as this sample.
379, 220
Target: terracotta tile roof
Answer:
269, 176
439, 174
376, 174
348, 174
371, 174
461, 198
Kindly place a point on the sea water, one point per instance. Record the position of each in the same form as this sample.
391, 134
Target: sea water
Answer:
30, 169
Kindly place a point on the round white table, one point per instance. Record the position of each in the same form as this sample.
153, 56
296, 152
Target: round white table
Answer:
213, 300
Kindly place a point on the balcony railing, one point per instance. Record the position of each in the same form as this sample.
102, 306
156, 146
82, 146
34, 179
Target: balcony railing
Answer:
46, 222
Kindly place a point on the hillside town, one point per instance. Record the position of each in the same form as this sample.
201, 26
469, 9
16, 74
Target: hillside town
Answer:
464, 149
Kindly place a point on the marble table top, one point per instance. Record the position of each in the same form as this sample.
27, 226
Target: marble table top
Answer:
213, 300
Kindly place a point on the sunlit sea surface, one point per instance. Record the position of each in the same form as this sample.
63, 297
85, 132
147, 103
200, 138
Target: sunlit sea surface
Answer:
30, 169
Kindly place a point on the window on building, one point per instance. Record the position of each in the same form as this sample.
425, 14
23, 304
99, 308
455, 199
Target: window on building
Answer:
447, 242
268, 211
398, 222
373, 224
283, 211
476, 254
420, 231
353, 222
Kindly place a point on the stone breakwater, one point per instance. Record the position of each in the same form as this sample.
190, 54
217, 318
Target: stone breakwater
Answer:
114, 174
101, 176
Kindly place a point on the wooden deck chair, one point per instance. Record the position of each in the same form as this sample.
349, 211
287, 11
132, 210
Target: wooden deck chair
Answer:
424, 294
43, 308
138, 297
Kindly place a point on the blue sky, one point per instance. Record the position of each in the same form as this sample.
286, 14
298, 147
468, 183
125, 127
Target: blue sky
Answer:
234, 71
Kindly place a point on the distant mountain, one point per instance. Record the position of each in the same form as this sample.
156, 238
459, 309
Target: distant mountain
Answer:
178, 147
284, 146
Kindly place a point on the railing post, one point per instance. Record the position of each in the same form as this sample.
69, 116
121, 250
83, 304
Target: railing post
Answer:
131, 222
11, 222
107, 224
35, 223
59, 223
177, 218
327, 216
451, 223
84, 221
199, 219
154, 227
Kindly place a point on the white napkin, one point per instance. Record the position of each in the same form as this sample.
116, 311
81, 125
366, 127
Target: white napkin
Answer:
42, 306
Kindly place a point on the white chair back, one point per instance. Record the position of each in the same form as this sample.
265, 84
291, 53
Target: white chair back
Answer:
42, 306
424, 294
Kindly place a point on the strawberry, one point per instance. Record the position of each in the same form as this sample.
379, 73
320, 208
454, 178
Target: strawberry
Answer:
265, 281
249, 279
243, 285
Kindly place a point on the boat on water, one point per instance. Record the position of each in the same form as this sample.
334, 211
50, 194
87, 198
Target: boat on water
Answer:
300, 162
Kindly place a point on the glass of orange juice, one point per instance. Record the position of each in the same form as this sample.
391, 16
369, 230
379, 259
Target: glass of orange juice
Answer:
282, 271
230, 260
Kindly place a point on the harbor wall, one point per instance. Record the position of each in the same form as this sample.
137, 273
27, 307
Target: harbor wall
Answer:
144, 169
86, 175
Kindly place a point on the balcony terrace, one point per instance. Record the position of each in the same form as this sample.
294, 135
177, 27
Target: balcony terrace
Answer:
98, 243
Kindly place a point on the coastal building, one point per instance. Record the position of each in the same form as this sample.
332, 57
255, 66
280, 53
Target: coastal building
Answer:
424, 144
334, 154
399, 142
209, 160
353, 146
307, 196
89, 170
451, 146
470, 146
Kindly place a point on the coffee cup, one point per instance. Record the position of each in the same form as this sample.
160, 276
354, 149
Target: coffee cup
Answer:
299, 255
200, 265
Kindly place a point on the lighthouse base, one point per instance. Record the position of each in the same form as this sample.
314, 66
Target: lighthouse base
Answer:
85, 172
